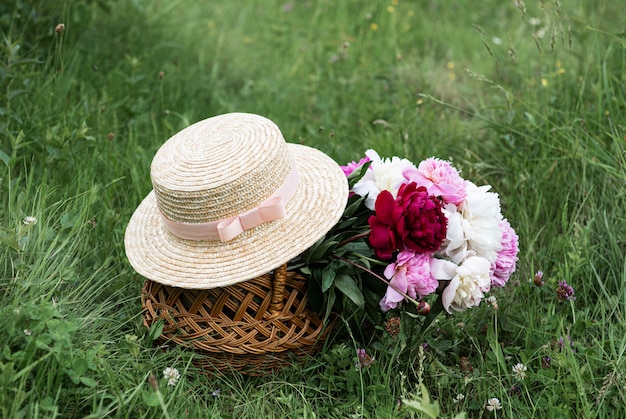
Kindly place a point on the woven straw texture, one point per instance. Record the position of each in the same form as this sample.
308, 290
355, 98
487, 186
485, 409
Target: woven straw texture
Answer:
221, 167
254, 327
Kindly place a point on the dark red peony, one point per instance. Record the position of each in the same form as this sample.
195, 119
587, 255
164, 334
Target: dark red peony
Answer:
413, 221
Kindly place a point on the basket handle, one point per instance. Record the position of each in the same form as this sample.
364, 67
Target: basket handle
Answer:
278, 290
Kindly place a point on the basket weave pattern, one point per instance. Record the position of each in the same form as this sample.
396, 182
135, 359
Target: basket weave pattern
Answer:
254, 326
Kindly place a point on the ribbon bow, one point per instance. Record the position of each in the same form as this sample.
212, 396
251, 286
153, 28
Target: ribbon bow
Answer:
271, 210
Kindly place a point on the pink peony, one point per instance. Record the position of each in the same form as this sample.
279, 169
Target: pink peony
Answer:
413, 221
440, 179
504, 265
409, 274
352, 166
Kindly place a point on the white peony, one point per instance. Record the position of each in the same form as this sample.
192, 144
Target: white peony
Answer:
480, 222
382, 175
455, 245
468, 282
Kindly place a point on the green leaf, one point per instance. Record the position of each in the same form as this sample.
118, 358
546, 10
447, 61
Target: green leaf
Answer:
69, 220
13, 93
330, 302
89, 382
150, 399
321, 250
328, 277
74, 376
423, 404
155, 330
79, 365
350, 289
4, 157
9, 238
492, 338
352, 207
357, 246
358, 173
348, 222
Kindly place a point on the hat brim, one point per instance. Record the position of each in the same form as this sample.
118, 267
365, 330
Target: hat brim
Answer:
312, 211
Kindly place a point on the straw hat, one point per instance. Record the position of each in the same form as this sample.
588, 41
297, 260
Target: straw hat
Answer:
231, 201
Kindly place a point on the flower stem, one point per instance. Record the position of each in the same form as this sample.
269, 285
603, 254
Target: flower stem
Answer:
380, 278
353, 238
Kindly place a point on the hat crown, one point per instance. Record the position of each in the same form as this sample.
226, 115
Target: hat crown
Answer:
219, 167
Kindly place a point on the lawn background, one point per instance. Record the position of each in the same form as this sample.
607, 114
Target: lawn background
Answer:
529, 98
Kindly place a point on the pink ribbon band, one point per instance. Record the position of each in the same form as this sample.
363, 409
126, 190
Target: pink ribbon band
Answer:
273, 208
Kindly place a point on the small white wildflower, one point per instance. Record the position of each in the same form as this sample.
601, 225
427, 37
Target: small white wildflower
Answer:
534, 21
496, 40
492, 301
493, 404
28, 332
519, 371
459, 398
172, 375
30, 220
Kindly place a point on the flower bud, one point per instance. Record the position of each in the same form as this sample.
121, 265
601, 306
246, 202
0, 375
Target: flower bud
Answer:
423, 308
538, 280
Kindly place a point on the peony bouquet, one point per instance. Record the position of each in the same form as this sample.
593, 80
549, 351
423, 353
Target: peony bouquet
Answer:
420, 235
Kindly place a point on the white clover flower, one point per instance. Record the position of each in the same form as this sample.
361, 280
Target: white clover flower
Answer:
492, 301
519, 371
493, 404
172, 375
28, 332
459, 398
382, 175
30, 220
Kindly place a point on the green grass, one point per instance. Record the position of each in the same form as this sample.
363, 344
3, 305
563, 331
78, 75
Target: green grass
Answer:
528, 99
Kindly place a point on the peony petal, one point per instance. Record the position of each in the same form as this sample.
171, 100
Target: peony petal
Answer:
390, 270
447, 296
477, 265
442, 269
372, 155
399, 283
390, 300
384, 207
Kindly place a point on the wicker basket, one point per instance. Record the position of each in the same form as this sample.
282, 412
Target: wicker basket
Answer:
254, 327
